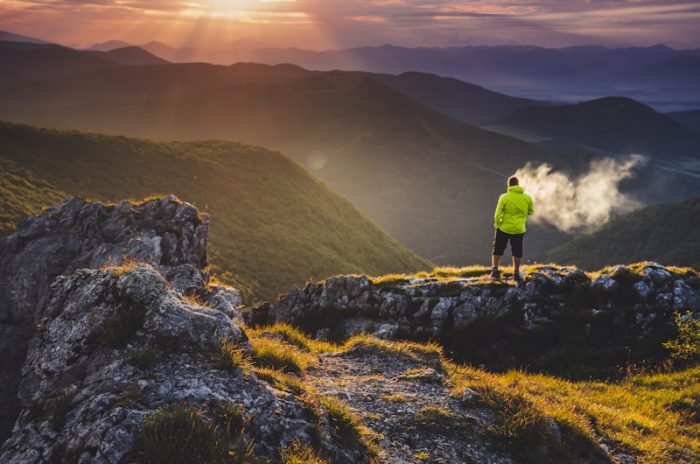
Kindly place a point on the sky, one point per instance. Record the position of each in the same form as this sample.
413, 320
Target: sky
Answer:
327, 24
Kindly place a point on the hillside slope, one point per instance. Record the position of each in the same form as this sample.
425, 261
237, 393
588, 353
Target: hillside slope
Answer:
21, 61
130, 56
690, 119
667, 233
427, 179
276, 226
461, 100
613, 124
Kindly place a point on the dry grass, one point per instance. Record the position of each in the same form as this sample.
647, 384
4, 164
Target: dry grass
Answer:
295, 337
395, 398
232, 356
276, 354
349, 427
651, 416
299, 453
655, 418
425, 353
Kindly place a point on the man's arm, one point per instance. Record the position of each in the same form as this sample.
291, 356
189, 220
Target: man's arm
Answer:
500, 211
531, 207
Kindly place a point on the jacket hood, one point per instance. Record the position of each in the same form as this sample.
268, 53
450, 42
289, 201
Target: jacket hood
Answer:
516, 189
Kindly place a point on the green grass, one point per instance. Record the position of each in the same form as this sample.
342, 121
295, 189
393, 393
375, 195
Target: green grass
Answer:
434, 419
653, 417
231, 356
23, 194
275, 354
179, 435
273, 225
299, 453
349, 427
540, 418
665, 233
394, 398
293, 336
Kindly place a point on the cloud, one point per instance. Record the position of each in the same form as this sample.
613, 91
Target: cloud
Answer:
579, 203
364, 22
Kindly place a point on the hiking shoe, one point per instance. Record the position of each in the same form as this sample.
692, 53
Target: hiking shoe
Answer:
495, 274
518, 277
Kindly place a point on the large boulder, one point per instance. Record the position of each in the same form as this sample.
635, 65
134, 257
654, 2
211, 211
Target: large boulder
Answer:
170, 234
116, 346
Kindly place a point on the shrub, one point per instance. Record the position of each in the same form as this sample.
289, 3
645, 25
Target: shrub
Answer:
685, 348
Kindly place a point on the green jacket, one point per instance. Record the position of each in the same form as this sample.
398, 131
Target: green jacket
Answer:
512, 211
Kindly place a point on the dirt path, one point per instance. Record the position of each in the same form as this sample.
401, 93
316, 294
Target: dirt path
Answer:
409, 404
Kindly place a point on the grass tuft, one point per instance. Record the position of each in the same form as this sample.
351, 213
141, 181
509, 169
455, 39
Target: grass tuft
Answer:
294, 336
348, 426
275, 354
179, 435
430, 354
299, 453
395, 398
231, 356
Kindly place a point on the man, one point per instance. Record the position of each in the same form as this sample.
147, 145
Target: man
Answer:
509, 221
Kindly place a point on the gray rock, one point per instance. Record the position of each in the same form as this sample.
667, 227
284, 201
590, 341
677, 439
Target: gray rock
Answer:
168, 233
444, 310
83, 397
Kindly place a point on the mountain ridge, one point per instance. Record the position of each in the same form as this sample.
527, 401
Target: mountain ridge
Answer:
666, 233
277, 225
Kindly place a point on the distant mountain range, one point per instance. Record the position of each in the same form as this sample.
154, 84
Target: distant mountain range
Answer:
25, 61
665, 233
398, 146
131, 56
10, 37
108, 46
275, 225
663, 77
616, 125
690, 119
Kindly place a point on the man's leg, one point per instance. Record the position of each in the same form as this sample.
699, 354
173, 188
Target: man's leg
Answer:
500, 240
516, 247
516, 264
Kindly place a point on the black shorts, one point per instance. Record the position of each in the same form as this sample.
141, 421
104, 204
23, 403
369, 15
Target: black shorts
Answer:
500, 240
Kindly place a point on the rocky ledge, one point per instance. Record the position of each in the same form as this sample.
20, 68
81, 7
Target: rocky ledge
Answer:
119, 350
168, 233
561, 320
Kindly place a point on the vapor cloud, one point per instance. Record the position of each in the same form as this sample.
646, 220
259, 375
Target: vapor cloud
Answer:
580, 203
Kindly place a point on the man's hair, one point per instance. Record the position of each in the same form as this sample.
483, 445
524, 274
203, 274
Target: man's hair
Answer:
512, 180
